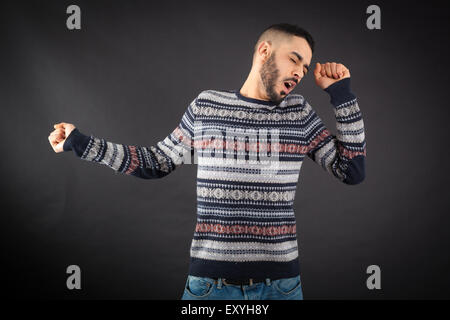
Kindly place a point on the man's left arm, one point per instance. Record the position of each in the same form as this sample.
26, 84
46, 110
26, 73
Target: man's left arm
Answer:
343, 154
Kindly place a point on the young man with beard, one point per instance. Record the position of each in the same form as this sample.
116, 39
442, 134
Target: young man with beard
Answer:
245, 244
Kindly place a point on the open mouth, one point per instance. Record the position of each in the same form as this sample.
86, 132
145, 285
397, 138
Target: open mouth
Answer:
289, 85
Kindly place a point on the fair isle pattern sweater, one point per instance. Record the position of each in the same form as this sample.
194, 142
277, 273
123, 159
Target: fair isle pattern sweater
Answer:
246, 227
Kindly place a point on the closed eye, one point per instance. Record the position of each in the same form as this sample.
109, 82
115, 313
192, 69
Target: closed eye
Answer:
305, 70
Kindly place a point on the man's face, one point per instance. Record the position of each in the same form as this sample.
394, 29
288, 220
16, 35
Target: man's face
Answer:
285, 68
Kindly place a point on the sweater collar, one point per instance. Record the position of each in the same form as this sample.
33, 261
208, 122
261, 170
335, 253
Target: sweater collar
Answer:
269, 104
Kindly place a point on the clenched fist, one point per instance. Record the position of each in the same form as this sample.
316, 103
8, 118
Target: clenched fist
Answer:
328, 73
58, 136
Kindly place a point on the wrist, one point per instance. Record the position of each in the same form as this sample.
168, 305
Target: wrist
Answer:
77, 142
340, 92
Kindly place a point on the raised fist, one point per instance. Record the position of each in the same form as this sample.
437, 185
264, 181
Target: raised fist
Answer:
330, 72
58, 136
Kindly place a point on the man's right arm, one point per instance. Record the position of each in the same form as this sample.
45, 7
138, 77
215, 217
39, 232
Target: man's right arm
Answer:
143, 162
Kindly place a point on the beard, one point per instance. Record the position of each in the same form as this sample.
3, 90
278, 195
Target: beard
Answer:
269, 75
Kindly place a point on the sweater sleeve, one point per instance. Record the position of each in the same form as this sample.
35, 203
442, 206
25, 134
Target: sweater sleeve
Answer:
149, 162
343, 154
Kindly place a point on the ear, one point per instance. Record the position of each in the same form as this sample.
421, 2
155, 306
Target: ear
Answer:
264, 50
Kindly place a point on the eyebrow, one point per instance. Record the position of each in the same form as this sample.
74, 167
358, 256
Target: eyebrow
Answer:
301, 59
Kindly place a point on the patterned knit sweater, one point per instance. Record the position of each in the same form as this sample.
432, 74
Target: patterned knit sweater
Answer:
249, 153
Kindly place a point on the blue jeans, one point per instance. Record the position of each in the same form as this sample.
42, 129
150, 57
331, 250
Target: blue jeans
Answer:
201, 288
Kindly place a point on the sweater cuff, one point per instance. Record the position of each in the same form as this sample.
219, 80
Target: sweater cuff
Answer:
340, 92
77, 142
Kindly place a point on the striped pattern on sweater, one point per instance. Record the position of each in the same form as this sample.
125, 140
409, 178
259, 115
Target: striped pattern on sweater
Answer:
249, 155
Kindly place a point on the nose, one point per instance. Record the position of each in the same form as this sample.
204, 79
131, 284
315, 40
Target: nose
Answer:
298, 75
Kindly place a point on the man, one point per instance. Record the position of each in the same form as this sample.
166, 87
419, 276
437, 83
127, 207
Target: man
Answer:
245, 244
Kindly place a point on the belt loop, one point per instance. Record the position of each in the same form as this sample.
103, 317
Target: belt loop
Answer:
219, 283
268, 282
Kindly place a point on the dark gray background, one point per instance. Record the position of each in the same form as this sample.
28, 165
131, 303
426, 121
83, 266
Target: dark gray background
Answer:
129, 75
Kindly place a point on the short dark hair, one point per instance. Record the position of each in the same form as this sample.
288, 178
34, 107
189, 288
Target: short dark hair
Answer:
289, 29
